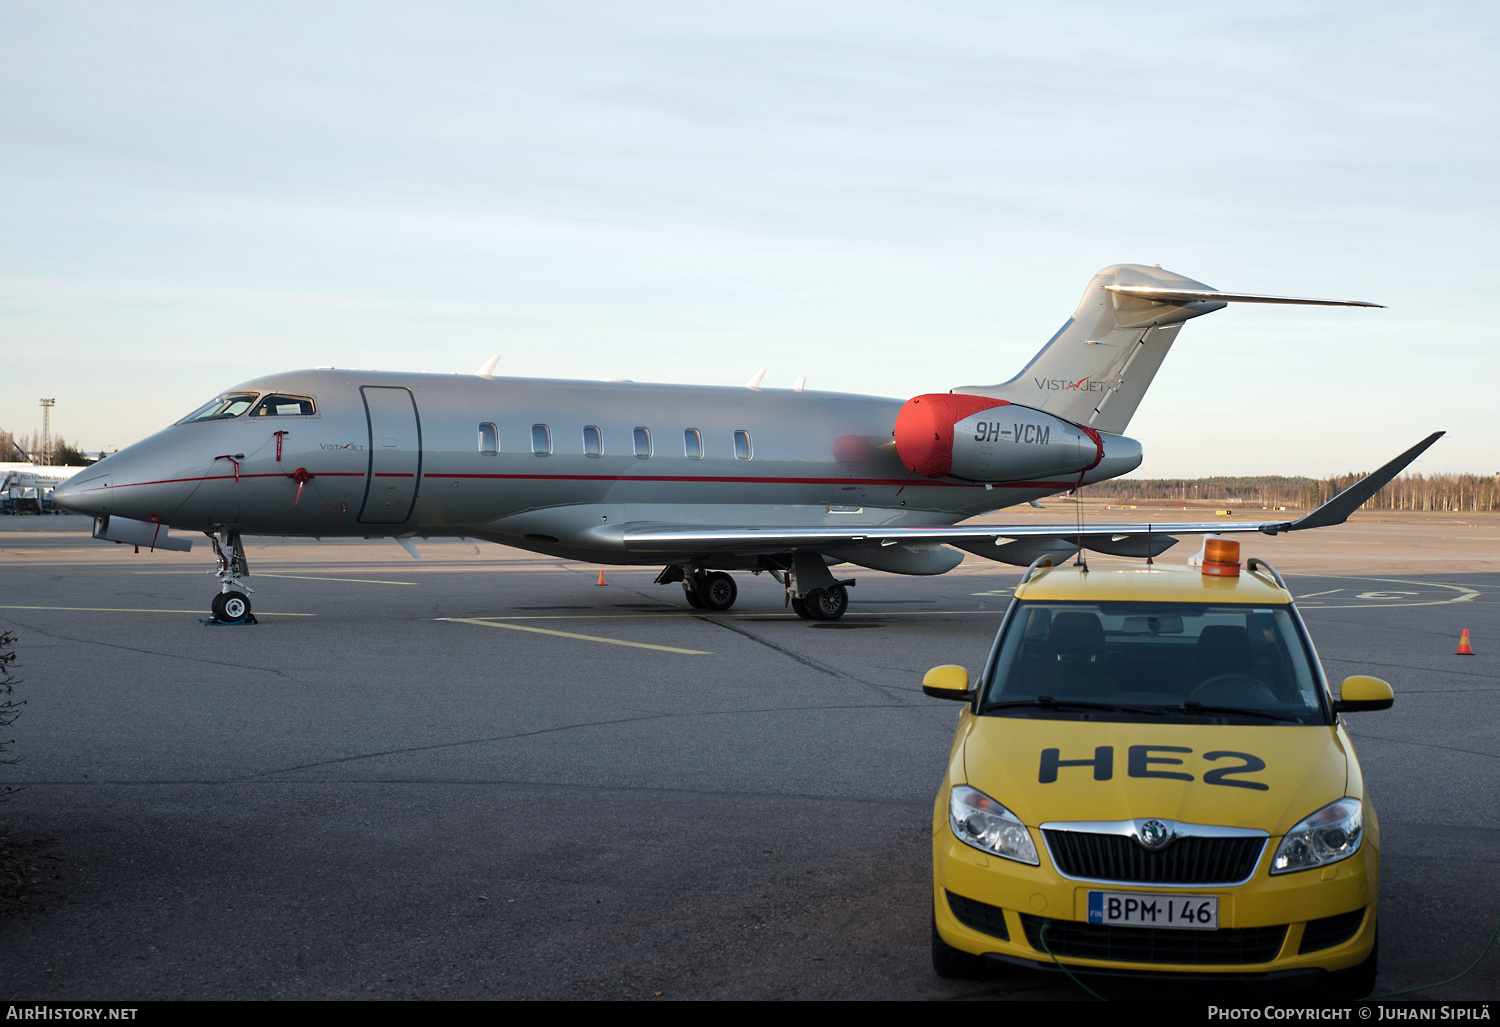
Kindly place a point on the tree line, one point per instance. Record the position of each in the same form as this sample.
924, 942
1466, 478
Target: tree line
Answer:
20, 448
1452, 492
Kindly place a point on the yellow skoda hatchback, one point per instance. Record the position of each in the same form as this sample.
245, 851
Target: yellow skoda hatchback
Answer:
1150, 775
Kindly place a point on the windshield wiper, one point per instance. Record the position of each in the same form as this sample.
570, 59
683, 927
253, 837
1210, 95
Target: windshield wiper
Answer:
1046, 702
1245, 711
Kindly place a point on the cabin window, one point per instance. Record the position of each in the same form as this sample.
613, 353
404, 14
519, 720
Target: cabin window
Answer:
541, 440
489, 439
692, 444
643, 442
283, 406
742, 444
593, 440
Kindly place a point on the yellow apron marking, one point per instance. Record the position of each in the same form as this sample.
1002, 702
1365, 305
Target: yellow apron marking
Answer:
128, 609
570, 634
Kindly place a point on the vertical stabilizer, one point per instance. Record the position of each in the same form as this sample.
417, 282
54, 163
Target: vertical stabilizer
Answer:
1096, 369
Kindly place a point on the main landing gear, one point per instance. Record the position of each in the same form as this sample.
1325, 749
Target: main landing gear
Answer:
811, 590
822, 604
713, 591
231, 605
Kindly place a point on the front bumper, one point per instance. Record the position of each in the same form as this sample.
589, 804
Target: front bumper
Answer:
1314, 920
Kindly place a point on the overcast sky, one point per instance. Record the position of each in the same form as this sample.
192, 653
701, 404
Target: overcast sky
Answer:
890, 198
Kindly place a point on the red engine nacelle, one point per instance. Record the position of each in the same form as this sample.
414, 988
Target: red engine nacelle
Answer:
944, 435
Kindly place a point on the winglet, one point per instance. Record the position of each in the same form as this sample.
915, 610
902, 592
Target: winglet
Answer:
488, 367
1338, 509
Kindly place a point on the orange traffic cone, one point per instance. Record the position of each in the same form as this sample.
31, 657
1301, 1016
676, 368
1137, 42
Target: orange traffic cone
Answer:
1463, 645
601, 579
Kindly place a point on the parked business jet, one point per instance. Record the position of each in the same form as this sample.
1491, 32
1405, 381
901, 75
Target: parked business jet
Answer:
702, 480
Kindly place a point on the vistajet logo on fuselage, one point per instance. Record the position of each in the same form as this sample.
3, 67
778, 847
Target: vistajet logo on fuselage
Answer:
1061, 384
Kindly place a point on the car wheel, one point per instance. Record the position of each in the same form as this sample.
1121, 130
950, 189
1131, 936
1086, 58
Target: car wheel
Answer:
955, 964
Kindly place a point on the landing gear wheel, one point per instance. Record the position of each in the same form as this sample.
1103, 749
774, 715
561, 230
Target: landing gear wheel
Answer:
218, 606
717, 592
691, 594
955, 964
233, 607
799, 607
828, 603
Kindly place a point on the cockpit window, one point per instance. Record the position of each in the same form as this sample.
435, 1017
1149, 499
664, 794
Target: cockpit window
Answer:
283, 406
231, 404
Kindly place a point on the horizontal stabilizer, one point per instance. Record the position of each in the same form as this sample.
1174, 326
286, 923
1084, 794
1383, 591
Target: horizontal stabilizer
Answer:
1167, 295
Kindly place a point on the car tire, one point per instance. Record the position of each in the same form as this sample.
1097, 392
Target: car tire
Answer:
954, 964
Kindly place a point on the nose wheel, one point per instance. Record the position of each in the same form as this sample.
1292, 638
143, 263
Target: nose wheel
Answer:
232, 608
231, 605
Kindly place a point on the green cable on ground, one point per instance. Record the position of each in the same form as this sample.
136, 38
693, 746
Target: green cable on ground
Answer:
1042, 937
1439, 984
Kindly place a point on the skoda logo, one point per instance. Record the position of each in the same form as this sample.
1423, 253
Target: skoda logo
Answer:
1153, 834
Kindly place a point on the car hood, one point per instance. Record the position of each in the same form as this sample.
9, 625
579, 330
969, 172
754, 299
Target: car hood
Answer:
1251, 776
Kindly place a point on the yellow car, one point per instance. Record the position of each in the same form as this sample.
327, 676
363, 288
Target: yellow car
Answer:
1150, 775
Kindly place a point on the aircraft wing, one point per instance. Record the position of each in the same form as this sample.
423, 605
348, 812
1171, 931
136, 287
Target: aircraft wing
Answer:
1123, 539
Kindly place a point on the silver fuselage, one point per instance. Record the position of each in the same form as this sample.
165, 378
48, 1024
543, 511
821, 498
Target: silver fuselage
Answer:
373, 469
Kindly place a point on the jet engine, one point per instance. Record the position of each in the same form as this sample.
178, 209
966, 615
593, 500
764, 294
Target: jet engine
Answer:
982, 439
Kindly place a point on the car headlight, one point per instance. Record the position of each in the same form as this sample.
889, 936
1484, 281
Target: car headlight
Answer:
982, 822
1329, 835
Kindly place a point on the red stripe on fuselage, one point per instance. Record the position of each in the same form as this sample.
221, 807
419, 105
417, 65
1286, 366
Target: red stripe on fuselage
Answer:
909, 483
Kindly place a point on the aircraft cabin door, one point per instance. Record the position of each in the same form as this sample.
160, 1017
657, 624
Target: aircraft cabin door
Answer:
395, 455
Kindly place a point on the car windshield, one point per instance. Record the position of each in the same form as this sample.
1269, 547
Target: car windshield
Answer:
1184, 661
231, 404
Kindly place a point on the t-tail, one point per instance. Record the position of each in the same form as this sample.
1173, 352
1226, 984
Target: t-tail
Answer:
1096, 369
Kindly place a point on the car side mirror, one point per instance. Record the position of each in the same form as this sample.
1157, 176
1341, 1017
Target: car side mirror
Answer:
1361, 693
949, 681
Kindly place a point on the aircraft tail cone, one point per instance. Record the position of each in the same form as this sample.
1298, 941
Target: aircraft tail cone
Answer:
603, 582
1464, 649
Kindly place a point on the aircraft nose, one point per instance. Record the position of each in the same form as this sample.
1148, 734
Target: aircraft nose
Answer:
86, 491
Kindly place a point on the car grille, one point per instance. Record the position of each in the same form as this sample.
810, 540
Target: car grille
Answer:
1230, 946
978, 916
1190, 860
1328, 931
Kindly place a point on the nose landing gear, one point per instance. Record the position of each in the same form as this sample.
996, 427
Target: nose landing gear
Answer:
231, 605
